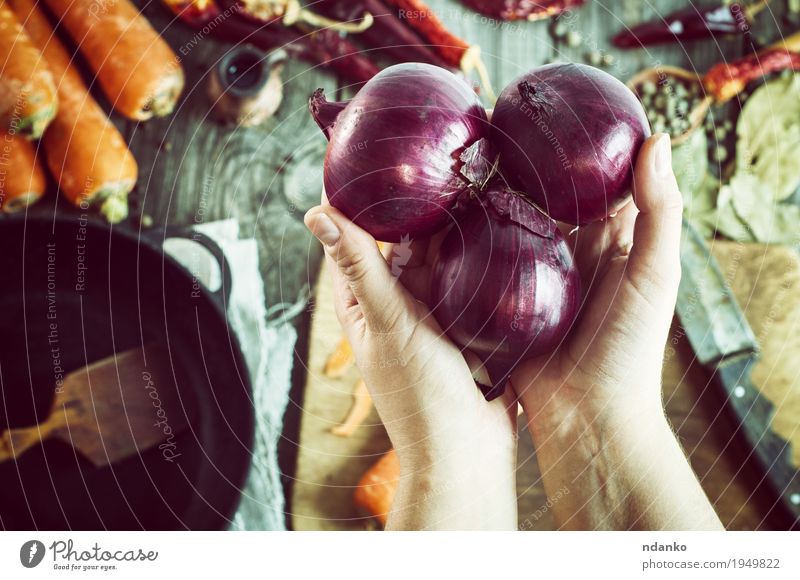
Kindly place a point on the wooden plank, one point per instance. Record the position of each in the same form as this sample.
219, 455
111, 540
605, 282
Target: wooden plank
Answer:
195, 170
328, 466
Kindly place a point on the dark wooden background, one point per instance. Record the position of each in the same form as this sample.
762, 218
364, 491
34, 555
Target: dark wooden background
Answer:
194, 170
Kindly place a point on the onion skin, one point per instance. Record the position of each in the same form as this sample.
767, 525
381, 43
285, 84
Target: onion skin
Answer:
504, 284
393, 164
325, 112
568, 136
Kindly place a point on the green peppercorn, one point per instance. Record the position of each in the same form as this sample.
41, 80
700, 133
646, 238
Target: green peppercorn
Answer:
574, 38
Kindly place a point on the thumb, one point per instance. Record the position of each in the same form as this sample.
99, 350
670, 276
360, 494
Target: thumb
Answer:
359, 263
654, 263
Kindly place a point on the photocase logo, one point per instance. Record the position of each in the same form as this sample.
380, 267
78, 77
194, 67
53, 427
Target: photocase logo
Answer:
31, 553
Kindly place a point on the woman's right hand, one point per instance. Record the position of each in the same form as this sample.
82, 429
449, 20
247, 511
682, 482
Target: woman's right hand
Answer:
457, 452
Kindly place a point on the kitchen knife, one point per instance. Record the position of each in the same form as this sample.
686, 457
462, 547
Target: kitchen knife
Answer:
724, 343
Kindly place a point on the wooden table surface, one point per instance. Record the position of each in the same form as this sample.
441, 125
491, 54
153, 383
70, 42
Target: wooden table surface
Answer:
194, 170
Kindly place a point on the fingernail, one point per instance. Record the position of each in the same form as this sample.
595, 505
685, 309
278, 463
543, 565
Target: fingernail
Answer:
323, 228
663, 155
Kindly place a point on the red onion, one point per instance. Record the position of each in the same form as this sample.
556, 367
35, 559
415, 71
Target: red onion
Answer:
568, 136
504, 285
403, 149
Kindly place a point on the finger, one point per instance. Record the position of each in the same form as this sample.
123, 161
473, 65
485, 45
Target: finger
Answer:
616, 238
654, 263
344, 302
595, 244
360, 264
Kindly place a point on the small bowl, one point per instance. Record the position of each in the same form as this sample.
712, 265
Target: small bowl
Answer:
657, 75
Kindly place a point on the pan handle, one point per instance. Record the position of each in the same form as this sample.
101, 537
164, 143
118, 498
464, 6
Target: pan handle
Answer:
223, 293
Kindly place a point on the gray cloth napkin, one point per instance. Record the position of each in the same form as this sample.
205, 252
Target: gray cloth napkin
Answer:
267, 339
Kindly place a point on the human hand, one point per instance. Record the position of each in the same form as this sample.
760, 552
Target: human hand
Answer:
630, 264
453, 446
594, 406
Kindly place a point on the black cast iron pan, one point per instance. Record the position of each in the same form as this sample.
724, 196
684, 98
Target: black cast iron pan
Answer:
73, 292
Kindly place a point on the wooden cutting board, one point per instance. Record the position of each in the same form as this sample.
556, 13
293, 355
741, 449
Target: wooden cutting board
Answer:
328, 466
765, 280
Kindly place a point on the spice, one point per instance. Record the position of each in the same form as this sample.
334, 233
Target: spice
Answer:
768, 136
691, 23
752, 205
291, 12
559, 29
455, 51
574, 38
727, 79
668, 103
320, 47
521, 9
720, 153
389, 37
594, 58
195, 13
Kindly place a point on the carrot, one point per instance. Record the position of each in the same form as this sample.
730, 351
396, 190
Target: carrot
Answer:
135, 67
27, 92
359, 411
377, 487
340, 360
22, 179
84, 151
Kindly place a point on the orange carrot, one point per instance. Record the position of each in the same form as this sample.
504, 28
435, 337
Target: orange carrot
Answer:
136, 68
83, 149
27, 92
22, 179
377, 487
340, 360
359, 411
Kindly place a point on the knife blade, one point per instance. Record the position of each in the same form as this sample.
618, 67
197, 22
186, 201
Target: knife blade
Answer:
724, 343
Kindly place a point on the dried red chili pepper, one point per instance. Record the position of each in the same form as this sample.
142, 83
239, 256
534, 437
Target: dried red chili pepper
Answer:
726, 80
327, 47
409, 31
521, 9
291, 12
692, 23
194, 12
319, 47
388, 37
455, 51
